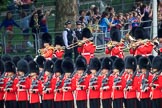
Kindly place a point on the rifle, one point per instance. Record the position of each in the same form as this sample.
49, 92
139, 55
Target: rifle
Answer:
2, 78
68, 80
156, 77
94, 79
118, 78
10, 83
130, 81
47, 84
105, 80
58, 83
82, 78
145, 81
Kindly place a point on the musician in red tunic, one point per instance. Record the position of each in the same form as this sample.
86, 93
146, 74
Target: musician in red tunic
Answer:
106, 84
115, 46
87, 48
156, 83
131, 82
23, 83
10, 85
142, 46
58, 51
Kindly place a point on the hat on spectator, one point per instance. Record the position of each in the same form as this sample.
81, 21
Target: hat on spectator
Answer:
160, 33
67, 22
46, 38
78, 22
86, 33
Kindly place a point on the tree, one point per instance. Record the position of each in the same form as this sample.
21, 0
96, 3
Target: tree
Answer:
65, 10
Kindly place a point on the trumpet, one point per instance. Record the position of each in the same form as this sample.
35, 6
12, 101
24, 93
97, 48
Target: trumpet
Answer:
79, 43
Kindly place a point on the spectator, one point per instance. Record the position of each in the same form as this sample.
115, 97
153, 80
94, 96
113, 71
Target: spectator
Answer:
8, 24
104, 22
82, 14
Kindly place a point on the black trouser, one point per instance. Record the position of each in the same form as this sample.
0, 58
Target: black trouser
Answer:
22, 104
156, 103
68, 53
145, 103
1, 104
58, 104
68, 104
131, 103
81, 103
138, 104
10, 104
94, 103
35, 105
106, 103
118, 103
75, 53
47, 103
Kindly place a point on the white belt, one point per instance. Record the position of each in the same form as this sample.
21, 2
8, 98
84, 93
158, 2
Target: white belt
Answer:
86, 53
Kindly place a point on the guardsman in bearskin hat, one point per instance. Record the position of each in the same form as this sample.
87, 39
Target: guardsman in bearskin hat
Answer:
142, 46
23, 83
115, 46
131, 82
35, 85
59, 75
2, 83
77, 37
94, 83
106, 84
118, 83
48, 85
47, 50
10, 85
87, 48
15, 59
59, 51
40, 60
81, 82
69, 83
68, 38
144, 81
156, 82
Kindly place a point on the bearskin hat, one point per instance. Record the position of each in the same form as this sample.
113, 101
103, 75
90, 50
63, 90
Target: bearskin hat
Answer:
86, 33
34, 68
94, 64
46, 38
160, 33
1, 67
28, 58
23, 66
54, 59
131, 63
106, 63
157, 63
81, 63
49, 66
67, 65
119, 64
10, 67
57, 66
137, 58
41, 61
139, 33
151, 57
113, 58
144, 63
6, 58
58, 40
15, 59
101, 59
115, 35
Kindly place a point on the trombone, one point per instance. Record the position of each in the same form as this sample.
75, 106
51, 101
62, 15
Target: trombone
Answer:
79, 43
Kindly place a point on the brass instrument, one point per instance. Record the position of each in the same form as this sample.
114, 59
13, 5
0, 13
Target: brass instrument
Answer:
79, 43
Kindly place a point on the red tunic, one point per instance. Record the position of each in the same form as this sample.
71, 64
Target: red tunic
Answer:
87, 50
59, 54
81, 93
116, 51
2, 89
48, 52
144, 49
22, 90
58, 93
106, 93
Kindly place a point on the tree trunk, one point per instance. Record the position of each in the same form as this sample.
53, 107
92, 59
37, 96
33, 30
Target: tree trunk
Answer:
65, 10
